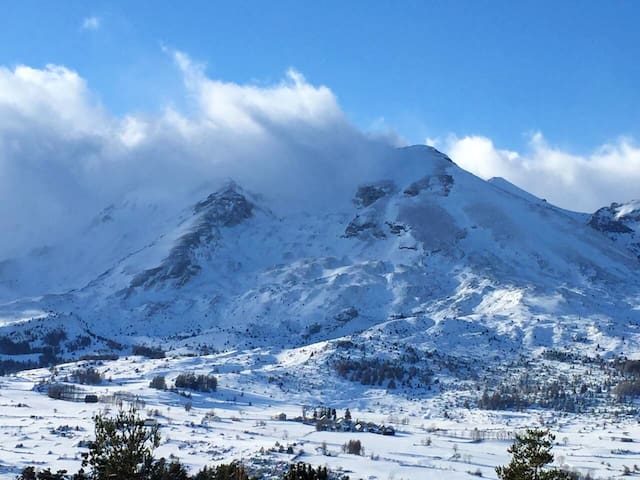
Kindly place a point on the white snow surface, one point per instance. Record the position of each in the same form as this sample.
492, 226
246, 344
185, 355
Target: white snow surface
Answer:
239, 422
427, 256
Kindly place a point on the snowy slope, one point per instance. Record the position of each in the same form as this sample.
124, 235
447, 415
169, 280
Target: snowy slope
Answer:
427, 254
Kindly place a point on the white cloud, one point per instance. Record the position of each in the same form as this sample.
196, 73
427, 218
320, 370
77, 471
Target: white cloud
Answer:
91, 23
579, 182
229, 105
54, 97
63, 158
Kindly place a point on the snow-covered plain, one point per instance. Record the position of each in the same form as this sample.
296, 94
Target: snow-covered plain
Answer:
238, 421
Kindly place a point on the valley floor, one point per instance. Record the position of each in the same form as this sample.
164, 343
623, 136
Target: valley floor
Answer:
238, 421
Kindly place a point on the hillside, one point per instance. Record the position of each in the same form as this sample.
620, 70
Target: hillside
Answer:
427, 254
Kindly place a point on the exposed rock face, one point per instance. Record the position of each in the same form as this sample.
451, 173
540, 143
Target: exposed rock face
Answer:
438, 184
368, 200
621, 223
360, 225
369, 194
225, 208
605, 221
347, 315
397, 228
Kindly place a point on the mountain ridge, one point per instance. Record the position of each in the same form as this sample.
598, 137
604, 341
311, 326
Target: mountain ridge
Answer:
429, 247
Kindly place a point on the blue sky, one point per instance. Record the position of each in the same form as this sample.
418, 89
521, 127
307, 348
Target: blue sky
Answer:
100, 98
423, 68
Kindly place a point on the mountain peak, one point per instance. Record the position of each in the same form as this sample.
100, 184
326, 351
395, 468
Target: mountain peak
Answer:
420, 149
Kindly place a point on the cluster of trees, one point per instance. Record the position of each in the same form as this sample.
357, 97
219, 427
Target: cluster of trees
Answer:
200, 383
48, 355
50, 352
528, 383
560, 356
188, 381
10, 347
61, 391
301, 471
329, 413
148, 352
12, 366
81, 341
374, 371
628, 367
629, 387
158, 382
124, 447
540, 388
86, 376
54, 337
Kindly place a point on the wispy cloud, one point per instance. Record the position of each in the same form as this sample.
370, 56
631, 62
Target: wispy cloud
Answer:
91, 23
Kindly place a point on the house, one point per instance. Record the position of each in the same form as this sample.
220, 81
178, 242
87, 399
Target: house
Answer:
388, 430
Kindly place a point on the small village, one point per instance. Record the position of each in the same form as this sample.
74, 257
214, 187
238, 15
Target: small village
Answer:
326, 419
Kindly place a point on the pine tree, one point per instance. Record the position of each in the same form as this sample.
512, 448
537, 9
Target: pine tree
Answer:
531, 453
123, 447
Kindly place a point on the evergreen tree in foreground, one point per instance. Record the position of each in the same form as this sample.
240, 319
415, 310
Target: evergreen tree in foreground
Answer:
123, 447
531, 453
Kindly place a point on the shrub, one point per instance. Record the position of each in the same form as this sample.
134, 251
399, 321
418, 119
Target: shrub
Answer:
353, 447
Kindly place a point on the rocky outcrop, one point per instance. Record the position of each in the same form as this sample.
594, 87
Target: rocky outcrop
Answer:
223, 209
621, 223
437, 184
367, 195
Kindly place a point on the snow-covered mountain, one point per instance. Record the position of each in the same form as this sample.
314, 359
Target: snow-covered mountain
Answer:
621, 223
426, 255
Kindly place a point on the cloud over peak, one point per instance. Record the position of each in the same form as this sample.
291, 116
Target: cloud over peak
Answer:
611, 172
63, 157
